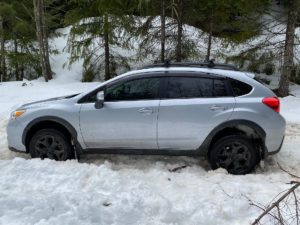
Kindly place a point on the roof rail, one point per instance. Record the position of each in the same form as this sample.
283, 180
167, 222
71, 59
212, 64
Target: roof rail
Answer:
209, 64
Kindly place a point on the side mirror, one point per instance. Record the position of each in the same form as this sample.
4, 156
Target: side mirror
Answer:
100, 100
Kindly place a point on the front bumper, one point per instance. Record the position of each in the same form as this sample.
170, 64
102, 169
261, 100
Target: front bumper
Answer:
14, 136
15, 150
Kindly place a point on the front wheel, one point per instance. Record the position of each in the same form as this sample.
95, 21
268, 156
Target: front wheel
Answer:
234, 153
50, 143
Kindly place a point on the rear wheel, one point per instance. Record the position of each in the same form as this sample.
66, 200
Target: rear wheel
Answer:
50, 143
235, 153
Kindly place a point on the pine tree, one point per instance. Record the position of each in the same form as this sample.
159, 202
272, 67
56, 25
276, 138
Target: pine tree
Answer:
235, 21
165, 26
98, 34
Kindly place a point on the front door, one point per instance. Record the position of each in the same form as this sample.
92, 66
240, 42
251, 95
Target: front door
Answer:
128, 119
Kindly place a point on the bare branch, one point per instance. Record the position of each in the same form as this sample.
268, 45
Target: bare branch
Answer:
276, 204
288, 172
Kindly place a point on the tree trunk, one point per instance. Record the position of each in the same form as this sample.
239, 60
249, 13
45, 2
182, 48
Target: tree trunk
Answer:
2, 52
209, 37
163, 30
22, 66
16, 65
179, 31
46, 44
42, 38
106, 47
288, 60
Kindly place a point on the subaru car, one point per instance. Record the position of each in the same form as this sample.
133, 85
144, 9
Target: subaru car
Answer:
192, 109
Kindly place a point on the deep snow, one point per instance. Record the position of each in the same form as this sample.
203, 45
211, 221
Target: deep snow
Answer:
135, 189
129, 190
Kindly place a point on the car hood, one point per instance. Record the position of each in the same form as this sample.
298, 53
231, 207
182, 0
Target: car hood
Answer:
46, 101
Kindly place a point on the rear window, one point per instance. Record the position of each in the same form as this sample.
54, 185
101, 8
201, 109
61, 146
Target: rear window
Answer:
240, 88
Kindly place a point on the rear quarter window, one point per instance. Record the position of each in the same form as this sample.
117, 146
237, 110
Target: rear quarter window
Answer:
240, 88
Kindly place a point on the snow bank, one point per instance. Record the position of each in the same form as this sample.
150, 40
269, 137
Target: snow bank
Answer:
115, 189
48, 192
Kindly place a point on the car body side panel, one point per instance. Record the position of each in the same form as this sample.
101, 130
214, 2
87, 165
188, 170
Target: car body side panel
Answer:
66, 110
252, 109
121, 124
183, 124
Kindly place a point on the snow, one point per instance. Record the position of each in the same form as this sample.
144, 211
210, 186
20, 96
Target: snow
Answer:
116, 189
135, 190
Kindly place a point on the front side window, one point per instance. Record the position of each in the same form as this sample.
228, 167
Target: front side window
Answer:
195, 87
139, 89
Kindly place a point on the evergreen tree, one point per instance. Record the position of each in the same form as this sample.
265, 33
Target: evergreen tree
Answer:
19, 53
234, 20
165, 26
100, 30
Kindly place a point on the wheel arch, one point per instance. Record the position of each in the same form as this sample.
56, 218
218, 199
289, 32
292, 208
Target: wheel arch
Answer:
48, 122
235, 127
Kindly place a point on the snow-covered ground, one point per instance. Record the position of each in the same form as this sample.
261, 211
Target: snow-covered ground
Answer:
114, 189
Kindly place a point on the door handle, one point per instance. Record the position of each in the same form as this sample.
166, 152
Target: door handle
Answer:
146, 110
217, 107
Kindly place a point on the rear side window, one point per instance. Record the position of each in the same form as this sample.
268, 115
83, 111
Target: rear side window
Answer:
240, 88
220, 89
195, 87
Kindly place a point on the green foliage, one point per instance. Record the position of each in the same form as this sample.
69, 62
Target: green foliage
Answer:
120, 21
254, 66
20, 53
86, 40
269, 69
88, 74
234, 20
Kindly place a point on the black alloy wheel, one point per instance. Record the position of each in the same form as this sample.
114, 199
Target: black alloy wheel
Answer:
51, 144
235, 153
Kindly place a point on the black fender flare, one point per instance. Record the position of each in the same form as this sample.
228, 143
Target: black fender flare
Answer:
55, 119
204, 148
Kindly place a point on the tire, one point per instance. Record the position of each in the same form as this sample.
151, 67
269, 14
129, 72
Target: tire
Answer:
52, 144
234, 153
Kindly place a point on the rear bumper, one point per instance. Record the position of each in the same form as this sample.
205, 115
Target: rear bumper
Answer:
276, 151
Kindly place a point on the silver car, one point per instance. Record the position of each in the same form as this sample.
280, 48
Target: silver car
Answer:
210, 110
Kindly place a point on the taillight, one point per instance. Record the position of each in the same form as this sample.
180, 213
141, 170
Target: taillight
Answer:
272, 102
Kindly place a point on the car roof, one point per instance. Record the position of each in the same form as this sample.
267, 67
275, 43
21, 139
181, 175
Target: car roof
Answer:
212, 71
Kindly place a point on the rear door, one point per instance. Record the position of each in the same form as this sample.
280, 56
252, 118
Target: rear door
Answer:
191, 107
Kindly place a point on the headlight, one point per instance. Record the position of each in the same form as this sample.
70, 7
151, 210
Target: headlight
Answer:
17, 113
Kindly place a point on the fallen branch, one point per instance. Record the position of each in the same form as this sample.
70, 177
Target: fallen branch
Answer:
276, 204
177, 168
288, 172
